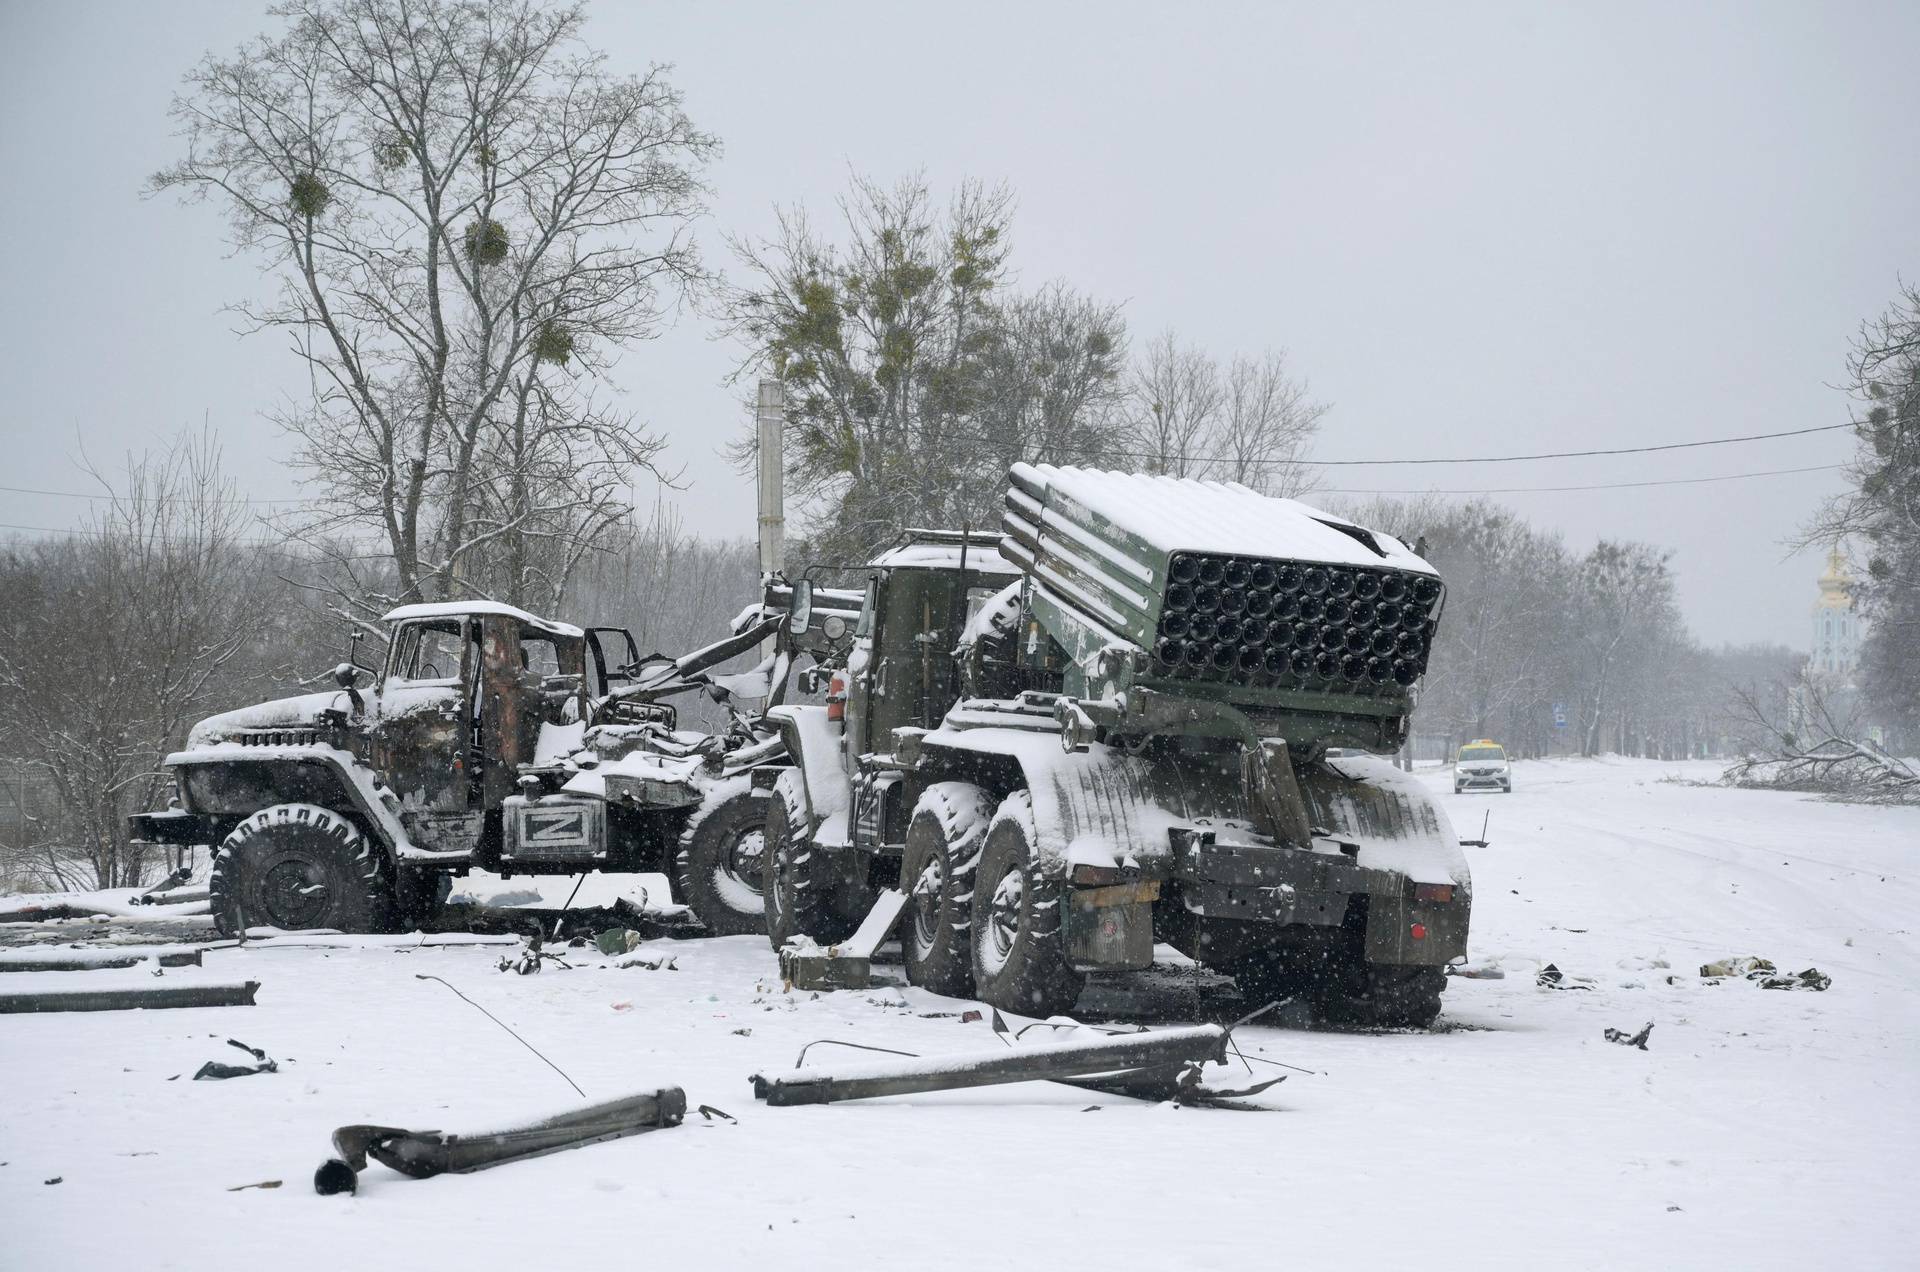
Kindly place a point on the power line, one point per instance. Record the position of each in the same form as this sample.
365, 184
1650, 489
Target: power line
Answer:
1612, 485
99, 496
1622, 450
1096, 449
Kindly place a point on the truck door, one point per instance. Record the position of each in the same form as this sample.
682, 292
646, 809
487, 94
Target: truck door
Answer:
613, 651
423, 738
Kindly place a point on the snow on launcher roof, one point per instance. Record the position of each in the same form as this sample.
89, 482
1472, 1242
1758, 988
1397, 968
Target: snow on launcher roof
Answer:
1186, 514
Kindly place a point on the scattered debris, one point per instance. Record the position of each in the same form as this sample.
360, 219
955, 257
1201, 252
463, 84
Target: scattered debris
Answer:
1160, 1064
1551, 977
263, 1184
1736, 966
424, 1154
708, 1112
213, 1070
968, 1017
1813, 978
658, 963
743, 1033
56, 1179
848, 965
531, 957
1763, 973
1626, 1039
1482, 971
131, 998
620, 940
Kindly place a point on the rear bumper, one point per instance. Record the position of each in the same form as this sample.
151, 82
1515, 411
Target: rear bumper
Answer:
1262, 886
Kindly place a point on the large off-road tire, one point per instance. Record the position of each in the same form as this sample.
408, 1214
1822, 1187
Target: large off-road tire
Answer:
300, 866
719, 867
944, 839
1383, 997
799, 880
1019, 938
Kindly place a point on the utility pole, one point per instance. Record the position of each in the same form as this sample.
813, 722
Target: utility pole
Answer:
769, 418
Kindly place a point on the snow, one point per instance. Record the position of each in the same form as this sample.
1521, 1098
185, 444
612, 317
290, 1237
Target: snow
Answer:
460, 609
983, 555
301, 710
1182, 514
1760, 1130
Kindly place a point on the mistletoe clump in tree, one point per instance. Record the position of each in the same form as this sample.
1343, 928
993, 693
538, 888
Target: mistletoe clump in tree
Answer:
469, 217
914, 374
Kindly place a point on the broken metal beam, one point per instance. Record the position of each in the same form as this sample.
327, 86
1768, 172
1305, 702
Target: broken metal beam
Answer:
424, 1154
1165, 1049
97, 959
131, 998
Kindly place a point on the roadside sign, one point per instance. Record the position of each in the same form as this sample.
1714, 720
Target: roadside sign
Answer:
1559, 715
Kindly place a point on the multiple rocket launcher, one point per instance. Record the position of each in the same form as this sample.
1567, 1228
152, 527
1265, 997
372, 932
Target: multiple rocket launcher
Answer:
1220, 585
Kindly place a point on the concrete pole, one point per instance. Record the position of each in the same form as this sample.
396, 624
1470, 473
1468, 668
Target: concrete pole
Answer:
769, 417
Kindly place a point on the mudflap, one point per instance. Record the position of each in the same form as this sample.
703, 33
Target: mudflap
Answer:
1111, 928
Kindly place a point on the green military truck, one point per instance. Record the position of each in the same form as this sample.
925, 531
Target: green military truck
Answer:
1109, 727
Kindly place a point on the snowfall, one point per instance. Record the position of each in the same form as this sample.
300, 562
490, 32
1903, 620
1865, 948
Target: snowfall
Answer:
1758, 1129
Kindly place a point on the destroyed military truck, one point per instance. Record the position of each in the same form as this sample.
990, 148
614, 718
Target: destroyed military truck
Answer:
488, 738
1114, 725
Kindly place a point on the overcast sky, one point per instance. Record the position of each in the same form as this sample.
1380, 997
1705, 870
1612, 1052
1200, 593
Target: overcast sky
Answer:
1479, 229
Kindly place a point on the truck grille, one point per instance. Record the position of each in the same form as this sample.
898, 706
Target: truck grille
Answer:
278, 737
1339, 628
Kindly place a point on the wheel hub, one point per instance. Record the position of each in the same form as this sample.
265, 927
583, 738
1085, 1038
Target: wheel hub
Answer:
928, 889
295, 894
746, 861
1003, 925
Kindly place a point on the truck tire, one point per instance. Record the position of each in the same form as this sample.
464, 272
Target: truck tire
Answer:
799, 879
719, 867
300, 866
1019, 938
1385, 997
944, 839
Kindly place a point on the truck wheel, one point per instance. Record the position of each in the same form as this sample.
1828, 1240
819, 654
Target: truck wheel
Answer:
718, 868
799, 877
1386, 998
299, 866
1019, 935
936, 872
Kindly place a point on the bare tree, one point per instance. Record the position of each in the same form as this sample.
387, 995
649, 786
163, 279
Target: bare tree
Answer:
469, 218
1266, 424
1175, 400
116, 641
1625, 596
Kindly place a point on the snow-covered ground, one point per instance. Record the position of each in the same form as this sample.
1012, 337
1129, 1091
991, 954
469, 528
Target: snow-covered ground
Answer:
1761, 1129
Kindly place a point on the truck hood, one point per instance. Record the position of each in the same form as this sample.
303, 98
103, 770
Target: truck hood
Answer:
279, 713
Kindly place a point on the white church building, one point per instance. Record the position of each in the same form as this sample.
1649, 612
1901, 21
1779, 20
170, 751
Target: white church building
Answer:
1836, 628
